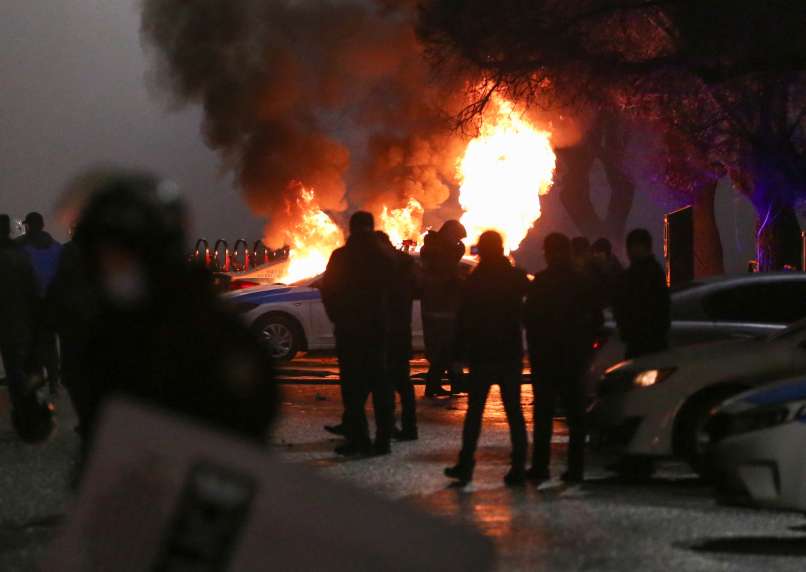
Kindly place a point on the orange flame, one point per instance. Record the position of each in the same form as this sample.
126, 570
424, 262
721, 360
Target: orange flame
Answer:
502, 173
404, 223
312, 239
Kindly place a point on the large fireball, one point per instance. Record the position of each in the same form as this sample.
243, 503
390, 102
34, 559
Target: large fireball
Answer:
502, 173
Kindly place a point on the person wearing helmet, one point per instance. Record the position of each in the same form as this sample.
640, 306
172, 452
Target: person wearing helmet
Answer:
441, 254
160, 334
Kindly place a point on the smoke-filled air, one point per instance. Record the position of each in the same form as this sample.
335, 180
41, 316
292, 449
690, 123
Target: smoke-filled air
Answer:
321, 107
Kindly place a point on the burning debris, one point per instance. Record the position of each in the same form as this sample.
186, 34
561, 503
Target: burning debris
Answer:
318, 107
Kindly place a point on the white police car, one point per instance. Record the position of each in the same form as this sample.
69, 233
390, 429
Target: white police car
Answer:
292, 318
758, 446
658, 405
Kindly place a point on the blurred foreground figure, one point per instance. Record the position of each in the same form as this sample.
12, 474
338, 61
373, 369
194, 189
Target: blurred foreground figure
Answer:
160, 334
489, 336
562, 317
355, 292
441, 254
44, 253
641, 301
398, 352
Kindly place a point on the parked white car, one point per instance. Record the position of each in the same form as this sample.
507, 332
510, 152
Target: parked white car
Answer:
292, 318
657, 406
725, 308
757, 446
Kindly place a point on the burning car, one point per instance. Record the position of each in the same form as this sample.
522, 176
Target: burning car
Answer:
757, 440
291, 318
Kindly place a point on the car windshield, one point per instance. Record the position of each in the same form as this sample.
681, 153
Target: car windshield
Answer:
791, 330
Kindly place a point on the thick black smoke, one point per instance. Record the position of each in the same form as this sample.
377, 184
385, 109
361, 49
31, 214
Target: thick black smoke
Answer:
330, 94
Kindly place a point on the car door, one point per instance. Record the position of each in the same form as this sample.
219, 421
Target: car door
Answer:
321, 335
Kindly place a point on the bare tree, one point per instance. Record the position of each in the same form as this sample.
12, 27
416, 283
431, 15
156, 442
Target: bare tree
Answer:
727, 75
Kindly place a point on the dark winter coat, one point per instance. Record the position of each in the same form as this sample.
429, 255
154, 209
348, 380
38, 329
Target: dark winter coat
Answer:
401, 299
70, 303
489, 319
562, 316
356, 287
44, 253
185, 353
441, 276
18, 300
641, 306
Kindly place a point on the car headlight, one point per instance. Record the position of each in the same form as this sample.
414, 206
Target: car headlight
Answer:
650, 377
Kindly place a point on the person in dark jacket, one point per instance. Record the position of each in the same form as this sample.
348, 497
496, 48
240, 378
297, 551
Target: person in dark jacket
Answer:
489, 337
71, 308
608, 266
641, 301
44, 253
18, 302
441, 254
562, 317
398, 354
161, 335
355, 292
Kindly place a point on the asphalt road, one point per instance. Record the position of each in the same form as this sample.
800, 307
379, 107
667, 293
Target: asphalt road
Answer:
671, 523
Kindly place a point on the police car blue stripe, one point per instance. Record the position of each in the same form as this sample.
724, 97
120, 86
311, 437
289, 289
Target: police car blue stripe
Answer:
282, 295
794, 391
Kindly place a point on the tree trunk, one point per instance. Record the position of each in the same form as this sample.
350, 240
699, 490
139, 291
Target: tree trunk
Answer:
778, 242
708, 255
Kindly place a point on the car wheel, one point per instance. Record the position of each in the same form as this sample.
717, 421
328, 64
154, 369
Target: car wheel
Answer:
692, 439
282, 336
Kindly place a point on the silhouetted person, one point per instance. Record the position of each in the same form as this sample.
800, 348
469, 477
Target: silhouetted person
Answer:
355, 291
44, 253
489, 337
398, 353
161, 335
562, 318
441, 254
608, 266
641, 301
71, 307
18, 302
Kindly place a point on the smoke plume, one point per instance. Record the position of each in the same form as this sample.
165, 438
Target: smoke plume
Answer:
330, 95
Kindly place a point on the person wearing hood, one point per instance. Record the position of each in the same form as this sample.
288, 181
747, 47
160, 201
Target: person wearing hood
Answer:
441, 254
355, 290
641, 301
489, 338
44, 253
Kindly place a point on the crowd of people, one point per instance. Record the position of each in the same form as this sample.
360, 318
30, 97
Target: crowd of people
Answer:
478, 319
117, 310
